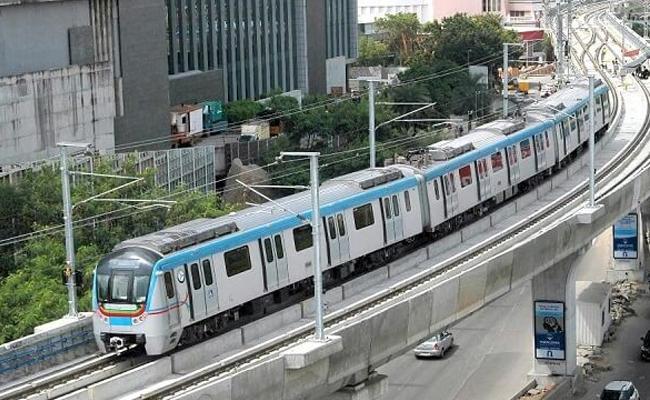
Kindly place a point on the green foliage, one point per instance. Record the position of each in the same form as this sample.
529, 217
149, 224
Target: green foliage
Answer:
242, 110
548, 48
480, 36
283, 104
31, 291
400, 33
372, 52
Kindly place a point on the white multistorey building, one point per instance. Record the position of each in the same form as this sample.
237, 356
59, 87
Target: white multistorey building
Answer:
370, 10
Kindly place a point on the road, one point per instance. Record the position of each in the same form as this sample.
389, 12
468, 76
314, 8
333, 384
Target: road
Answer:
491, 358
623, 354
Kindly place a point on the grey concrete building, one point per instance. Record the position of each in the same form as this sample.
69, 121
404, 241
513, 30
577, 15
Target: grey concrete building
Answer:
81, 70
259, 46
107, 71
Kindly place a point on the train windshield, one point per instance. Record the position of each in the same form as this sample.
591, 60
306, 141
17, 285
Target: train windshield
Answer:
123, 277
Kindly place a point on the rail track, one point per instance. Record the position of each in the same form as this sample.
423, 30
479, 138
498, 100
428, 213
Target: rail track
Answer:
412, 286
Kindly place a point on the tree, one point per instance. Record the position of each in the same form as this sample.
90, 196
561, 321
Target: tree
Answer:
372, 52
481, 37
400, 33
242, 110
283, 104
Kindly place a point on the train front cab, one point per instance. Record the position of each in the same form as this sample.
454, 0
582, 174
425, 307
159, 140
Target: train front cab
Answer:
126, 303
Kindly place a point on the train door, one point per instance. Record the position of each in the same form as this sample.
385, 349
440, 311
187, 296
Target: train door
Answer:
397, 219
183, 294
451, 196
210, 289
281, 260
484, 179
514, 165
344, 240
333, 240
199, 303
388, 220
270, 265
541, 152
172, 299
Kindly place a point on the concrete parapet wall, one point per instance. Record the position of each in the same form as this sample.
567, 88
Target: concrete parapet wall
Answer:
203, 352
266, 325
138, 377
411, 261
359, 285
474, 229
53, 344
440, 246
504, 212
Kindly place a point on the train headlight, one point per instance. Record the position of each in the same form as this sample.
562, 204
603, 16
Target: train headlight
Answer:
139, 319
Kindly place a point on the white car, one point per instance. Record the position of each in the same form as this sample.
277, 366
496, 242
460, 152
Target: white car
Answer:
436, 346
620, 390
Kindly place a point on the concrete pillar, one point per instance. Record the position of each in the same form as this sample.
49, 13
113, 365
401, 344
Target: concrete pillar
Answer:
631, 269
371, 389
556, 284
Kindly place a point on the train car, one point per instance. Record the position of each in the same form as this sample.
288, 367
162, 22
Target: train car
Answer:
197, 278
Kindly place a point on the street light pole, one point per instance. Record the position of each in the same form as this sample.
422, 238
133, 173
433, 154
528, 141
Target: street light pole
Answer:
67, 220
371, 122
560, 43
315, 232
592, 141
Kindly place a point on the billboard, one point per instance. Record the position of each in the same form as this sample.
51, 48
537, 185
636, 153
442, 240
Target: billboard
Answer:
550, 337
626, 237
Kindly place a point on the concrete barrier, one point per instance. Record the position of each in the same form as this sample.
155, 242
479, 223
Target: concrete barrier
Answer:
471, 291
445, 303
419, 318
219, 390
504, 212
409, 262
263, 381
50, 345
272, 323
559, 178
135, 379
368, 280
525, 200
78, 395
474, 229
440, 246
499, 273
355, 357
544, 188
202, 353
331, 297
388, 330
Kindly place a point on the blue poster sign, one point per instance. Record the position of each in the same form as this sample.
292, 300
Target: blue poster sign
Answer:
626, 237
550, 337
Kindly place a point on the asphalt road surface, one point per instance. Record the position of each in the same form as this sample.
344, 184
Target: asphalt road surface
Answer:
623, 354
491, 358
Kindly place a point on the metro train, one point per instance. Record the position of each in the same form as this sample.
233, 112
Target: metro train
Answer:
184, 282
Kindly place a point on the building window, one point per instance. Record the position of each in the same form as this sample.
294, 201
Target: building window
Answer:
237, 261
363, 216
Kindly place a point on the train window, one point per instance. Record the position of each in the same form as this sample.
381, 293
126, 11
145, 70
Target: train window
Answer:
363, 216
565, 130
387, 208
120, 286
548, 143
302, 237
485, 168
196, 276
447, 188
237, 261
465, 176
207, 272
586, 113
497, 161
435, 189
268, 249
407, 201
341, 222
278, 247
524, 145
331, 227
479, 164
169, 285
573, 122
395, 206
453, 183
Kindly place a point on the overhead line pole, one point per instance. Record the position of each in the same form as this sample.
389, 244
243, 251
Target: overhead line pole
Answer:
371, 122
560, 43
592, 142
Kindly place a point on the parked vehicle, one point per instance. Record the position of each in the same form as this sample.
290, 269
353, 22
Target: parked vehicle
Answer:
436, 346
645, 347
620, 390
186, 123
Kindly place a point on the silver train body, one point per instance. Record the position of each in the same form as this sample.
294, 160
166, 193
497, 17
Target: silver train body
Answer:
196, 277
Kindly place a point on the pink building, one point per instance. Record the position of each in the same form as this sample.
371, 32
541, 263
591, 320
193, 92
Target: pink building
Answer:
447, 8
